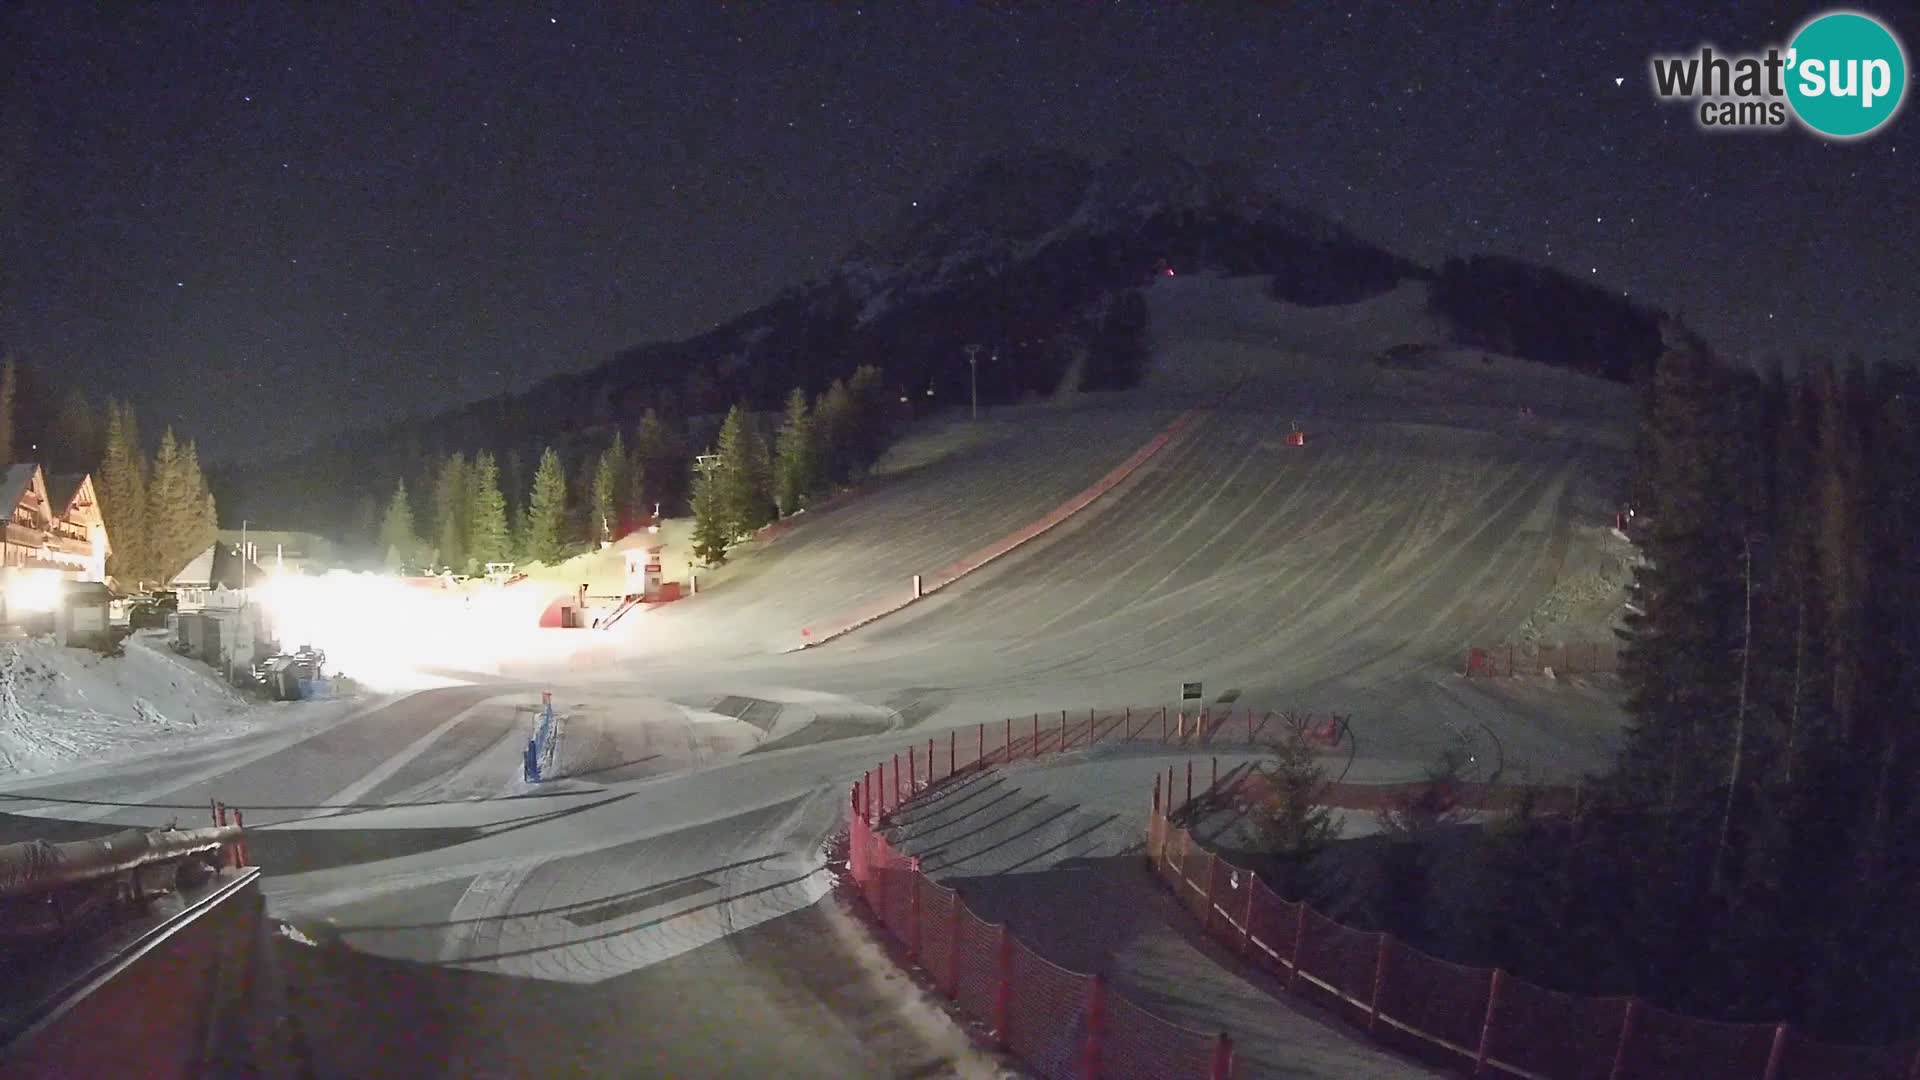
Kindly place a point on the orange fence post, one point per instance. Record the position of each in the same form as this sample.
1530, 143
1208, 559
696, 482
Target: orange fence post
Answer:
896, 781
240, 847
1163, 723
953, 752
1486, 1026
1169, 791
1776, 1052
1379, 981
929, 761
1003, 993
1093, 724
1626, 1039
913, 906
1156, 793
1063, 730
1096, 1023
1007, 750
878, 868
1036, 734
980, 756
1222, 1058
953, 947
913, 771
213, 810
1189, 798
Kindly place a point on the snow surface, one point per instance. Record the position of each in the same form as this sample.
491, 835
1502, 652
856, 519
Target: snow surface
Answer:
1443, 499
61, 707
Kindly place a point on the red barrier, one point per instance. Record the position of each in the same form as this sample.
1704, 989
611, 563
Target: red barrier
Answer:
1537, 658
1061, 1023
1480, 1021
940, 579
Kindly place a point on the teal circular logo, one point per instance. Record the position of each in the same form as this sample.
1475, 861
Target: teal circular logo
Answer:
1846, 74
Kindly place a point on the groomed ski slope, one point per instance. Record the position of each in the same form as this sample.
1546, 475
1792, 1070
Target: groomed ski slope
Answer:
1347, 574
683, 881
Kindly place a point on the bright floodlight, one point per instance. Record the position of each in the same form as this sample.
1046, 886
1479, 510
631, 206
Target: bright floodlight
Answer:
33, 590
384, 631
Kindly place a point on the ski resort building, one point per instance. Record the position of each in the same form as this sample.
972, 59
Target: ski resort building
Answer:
52, 524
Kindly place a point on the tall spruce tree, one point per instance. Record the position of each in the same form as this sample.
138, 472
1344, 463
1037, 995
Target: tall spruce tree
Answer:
609, 491
834, 422
77, 434
123, 495
397, 535
712, 528
452, 510
170, 510
547, 511
1680, 661
488, 539
659, 468
743, 475
202, 516
871, 428
794, 473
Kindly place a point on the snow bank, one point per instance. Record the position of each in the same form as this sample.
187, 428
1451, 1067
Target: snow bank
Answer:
60, 707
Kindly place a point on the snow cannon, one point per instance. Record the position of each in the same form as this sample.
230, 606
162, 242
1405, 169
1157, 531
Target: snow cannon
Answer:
1296, 437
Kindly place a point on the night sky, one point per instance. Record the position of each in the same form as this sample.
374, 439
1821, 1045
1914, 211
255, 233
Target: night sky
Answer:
261, 221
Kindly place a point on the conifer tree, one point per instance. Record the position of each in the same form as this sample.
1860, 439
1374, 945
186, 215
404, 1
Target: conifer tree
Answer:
742, 475
794, 455
834, 420
609, 493
547, 511
452, 510
488, 539
77, 434
202, 513
712, 531
123, 495
171, 510
1680, 660
397, 534
658, 472
870, 429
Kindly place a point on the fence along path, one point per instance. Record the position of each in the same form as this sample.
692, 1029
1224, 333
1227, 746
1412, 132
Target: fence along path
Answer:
1478, 1020
1057, 1021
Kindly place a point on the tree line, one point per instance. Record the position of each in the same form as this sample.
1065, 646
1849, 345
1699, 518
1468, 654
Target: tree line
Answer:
745, 483
1755, 854
472, 509
158, 511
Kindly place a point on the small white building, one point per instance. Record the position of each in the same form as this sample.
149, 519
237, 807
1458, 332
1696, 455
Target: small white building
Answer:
217, 579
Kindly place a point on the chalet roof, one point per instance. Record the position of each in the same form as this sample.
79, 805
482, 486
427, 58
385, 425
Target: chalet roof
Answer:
220, 564
62, 488
15, 484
